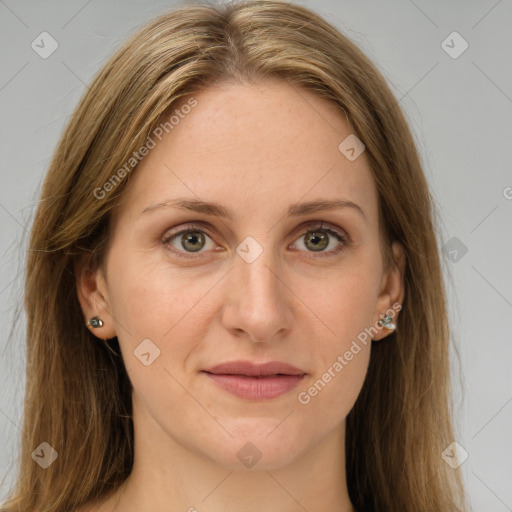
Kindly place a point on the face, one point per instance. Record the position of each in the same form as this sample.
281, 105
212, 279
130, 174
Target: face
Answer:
186, 288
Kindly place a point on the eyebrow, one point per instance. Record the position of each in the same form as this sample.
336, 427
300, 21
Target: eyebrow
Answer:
218, 210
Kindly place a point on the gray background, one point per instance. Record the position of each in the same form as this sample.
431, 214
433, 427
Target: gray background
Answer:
459, 109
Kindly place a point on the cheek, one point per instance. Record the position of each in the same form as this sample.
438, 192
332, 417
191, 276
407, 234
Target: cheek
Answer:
347, 308
152, 300
341, 359
156, 311
330, 395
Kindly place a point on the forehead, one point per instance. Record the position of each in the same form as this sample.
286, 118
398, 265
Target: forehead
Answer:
254, 148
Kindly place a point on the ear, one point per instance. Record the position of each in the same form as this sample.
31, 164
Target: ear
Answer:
91, 287
392, 289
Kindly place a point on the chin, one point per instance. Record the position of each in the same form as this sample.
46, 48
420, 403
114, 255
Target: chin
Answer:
266, 444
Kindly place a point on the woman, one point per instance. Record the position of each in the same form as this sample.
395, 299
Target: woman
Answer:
234, 294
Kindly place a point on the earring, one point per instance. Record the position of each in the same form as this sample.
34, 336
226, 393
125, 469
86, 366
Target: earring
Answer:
94, 322
387, 323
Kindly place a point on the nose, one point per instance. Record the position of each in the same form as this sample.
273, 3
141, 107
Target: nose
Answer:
258, 302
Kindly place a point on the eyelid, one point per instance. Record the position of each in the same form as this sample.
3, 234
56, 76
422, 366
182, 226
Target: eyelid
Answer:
324, 226
311, 225
190, 226
341, 235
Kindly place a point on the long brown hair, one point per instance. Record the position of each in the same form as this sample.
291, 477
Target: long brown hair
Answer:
78, 395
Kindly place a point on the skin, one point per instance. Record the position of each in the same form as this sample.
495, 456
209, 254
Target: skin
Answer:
255, 150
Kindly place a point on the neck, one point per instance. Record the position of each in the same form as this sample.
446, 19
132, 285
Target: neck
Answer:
167, 475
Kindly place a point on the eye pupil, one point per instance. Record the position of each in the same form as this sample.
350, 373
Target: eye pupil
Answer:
317, 239
320, 240
191, 238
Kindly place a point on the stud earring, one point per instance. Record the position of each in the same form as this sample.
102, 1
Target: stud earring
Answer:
387, 323
94, 322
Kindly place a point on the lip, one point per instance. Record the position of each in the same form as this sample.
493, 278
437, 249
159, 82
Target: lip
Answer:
255, 381
250, 369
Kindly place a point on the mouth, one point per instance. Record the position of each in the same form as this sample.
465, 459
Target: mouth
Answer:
255, 381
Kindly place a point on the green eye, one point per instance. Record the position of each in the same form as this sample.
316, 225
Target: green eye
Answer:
192, 239
317, 239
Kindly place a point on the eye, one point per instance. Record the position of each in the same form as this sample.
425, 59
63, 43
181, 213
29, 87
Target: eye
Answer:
191, 240
317, 239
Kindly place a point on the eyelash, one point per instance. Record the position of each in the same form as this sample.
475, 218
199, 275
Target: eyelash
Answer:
313, 227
